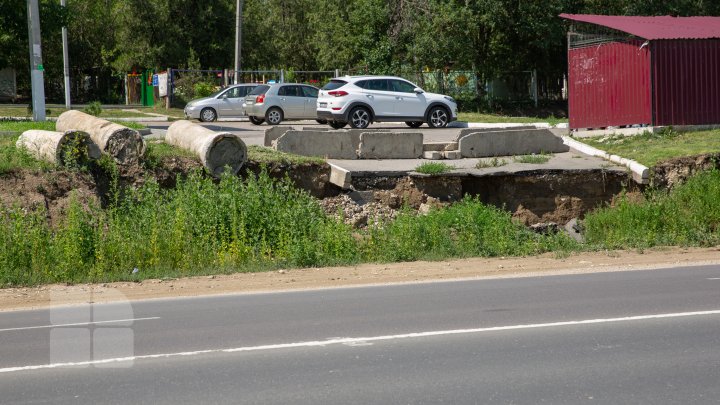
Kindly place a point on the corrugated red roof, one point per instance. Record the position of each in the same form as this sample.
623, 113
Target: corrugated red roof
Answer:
663, 27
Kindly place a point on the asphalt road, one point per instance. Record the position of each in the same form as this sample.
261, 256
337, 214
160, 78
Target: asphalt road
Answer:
626, 337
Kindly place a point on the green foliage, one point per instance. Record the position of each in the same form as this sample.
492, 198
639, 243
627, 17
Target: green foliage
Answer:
13, 158
466, 229
263, 154
434, 168
494, 162
93, 108
206, 227
535, 159
689, 215
204, 89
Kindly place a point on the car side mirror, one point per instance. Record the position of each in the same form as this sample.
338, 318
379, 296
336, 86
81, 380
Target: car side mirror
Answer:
418, 90
225, 95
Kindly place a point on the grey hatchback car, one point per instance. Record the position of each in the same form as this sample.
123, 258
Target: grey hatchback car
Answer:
275, 103
225, 103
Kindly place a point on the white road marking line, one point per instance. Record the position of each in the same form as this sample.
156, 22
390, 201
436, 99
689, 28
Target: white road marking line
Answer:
79, 324
362, 340
714, 278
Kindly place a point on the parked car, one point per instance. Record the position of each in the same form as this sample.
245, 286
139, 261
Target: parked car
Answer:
275, 103
225, 103
362, 100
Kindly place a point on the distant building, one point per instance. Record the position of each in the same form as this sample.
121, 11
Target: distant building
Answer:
656, 71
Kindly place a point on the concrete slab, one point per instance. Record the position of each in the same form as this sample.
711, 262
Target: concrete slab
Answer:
390, 145
571, 161
432, 155
332, 145
439, 146
468, 131
275, 132
504, 143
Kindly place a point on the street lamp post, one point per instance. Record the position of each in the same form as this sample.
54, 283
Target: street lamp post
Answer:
66, 62
238, 39
36, 67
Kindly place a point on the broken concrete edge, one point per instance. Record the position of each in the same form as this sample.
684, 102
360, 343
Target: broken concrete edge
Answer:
641, 173
340, 177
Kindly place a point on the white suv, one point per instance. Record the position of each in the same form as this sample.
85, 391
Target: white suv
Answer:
361, 100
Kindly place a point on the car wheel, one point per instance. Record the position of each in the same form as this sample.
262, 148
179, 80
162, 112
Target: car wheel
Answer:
359, 118
438, 117
208, 115
256, 120
337, 124
322, 122
274, 116
413, 124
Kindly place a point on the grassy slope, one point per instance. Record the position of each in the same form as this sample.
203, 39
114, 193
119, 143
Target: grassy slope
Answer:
650, 149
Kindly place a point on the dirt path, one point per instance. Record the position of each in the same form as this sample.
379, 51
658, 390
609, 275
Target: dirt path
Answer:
366, 274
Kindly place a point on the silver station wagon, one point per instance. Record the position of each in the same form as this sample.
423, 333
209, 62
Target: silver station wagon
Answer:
274, 103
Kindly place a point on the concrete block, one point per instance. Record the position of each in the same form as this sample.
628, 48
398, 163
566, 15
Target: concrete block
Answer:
439, 146
512, 142
468, 131
340, 177
276, 132
327, 144
432, 155
452, 154
398, 145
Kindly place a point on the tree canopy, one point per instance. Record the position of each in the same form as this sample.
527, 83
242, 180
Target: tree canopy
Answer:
377, 36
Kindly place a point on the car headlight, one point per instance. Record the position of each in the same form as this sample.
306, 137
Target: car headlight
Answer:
450, 99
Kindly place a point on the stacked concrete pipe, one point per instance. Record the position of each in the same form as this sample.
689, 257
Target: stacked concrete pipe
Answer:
59, 147
216, 150
125, 145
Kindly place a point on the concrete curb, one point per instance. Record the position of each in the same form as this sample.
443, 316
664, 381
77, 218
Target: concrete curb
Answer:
641, 174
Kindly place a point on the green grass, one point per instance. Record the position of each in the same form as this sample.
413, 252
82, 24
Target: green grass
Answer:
651, 148
493, 118
21, 126
533, 159
12, 158
263, 154
494, 162
689, 215
434, 168
22, 111
203, 227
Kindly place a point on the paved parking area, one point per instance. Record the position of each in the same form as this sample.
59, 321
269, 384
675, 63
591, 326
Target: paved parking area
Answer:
572, 160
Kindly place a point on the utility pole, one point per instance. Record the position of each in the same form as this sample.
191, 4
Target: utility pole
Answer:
238, 39
66, 62
36, 67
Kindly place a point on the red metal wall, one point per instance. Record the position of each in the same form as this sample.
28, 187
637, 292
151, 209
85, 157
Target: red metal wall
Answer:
686, 76
609, 85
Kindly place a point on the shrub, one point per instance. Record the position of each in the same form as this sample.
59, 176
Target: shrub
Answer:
434, 168
203, 89
93, 108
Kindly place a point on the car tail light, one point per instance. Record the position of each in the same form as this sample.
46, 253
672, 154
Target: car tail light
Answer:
338, 93
259, 99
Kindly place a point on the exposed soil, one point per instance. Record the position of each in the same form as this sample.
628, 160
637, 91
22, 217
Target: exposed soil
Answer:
52, 191
672, 172
366, 274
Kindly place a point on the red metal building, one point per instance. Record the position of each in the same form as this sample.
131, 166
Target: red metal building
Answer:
625, 70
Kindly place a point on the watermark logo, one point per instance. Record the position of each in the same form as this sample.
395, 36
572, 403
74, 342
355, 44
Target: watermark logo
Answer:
88, 334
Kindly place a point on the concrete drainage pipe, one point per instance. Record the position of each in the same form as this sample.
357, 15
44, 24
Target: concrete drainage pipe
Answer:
216, 150
125, 145
59, 148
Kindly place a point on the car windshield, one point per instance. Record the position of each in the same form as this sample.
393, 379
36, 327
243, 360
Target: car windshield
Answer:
334, 84
261, 89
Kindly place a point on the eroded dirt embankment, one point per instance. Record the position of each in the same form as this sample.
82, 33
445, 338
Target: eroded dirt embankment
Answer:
533, 197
